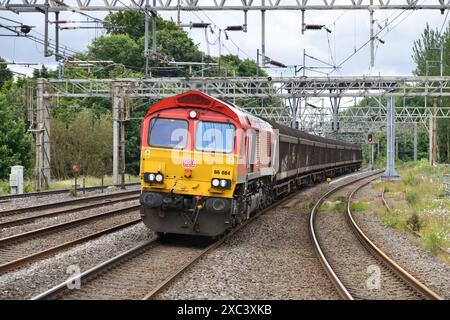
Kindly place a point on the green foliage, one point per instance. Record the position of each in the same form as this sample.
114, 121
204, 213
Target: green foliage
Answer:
86, 140
120, 48
390, 219
433, 241
44, 73
414, 222
5, 73
15, 142
411, 196
358, 207
132, 23
72, 192
410, 179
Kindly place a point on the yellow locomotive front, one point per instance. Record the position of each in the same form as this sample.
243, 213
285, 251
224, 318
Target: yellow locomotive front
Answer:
189, 169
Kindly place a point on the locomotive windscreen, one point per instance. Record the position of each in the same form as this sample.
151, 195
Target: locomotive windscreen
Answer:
168, 133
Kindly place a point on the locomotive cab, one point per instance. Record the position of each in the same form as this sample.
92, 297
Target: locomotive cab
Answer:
193, 159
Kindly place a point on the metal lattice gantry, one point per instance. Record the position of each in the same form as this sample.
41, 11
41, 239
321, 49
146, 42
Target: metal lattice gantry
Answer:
264, 88
247, 90
217, 5
277, 98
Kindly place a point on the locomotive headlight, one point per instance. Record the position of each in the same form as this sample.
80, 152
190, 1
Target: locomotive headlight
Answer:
215, 182
159, 177
151, 177
192, 114
223, 183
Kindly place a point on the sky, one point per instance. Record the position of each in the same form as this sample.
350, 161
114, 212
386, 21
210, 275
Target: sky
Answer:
284, 41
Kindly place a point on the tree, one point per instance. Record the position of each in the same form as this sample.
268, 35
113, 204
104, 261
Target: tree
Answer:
5, 73
132, 23
15, 142
86, 140
43, 73
426, 55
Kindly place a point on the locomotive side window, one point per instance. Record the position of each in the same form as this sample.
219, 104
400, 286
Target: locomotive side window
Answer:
214, 136
168, 133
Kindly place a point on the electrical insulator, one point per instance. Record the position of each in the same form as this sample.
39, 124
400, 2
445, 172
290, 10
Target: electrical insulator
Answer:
199, 25
25, 29
277, 63
234, 28
314, 26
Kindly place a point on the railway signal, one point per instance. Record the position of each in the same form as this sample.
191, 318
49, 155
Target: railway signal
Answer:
370, 138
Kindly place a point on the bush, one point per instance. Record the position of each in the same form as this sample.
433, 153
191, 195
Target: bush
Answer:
433, 241
414, 222
411, 196
410, 179
85, 140
390, 219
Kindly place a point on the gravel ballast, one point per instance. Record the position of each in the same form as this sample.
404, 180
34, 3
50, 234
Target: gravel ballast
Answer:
271, 258
403, 248
41, 276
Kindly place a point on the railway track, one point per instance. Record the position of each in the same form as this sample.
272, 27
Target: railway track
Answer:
357, 268
5, 198
74, 202
10, 218
144, 271
20, 249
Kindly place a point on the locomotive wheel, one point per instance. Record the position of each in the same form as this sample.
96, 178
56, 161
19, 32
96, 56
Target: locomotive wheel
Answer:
160, 234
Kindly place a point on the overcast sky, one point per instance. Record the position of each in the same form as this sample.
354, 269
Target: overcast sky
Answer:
284, 41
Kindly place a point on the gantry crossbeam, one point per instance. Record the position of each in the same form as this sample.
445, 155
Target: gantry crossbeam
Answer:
220, 5
263, 88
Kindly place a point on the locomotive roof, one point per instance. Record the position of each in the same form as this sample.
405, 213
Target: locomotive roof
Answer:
202, 100
311, 137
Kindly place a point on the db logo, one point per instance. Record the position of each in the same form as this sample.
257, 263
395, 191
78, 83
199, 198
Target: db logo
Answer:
188, 163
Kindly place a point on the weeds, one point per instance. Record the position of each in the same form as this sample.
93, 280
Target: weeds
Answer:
414, 222
433, 241
411, 196
358, 207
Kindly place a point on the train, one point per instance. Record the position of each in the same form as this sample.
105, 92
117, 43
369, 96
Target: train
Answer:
207, 165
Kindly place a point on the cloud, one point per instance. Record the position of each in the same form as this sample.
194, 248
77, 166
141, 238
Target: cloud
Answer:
284, 41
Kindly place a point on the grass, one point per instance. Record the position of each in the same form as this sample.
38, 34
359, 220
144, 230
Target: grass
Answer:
420, 205
67, 184
358, 206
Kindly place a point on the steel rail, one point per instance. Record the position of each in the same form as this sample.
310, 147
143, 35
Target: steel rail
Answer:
213, 246
66, 202
63, 211
162, 285
342, 290
367, 243
94, 270
129, 253
5, 198
53, 250
63, 225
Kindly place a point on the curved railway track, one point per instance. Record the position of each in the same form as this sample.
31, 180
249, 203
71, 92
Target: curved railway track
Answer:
5, 198
349, 257
144, 271
20, 249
